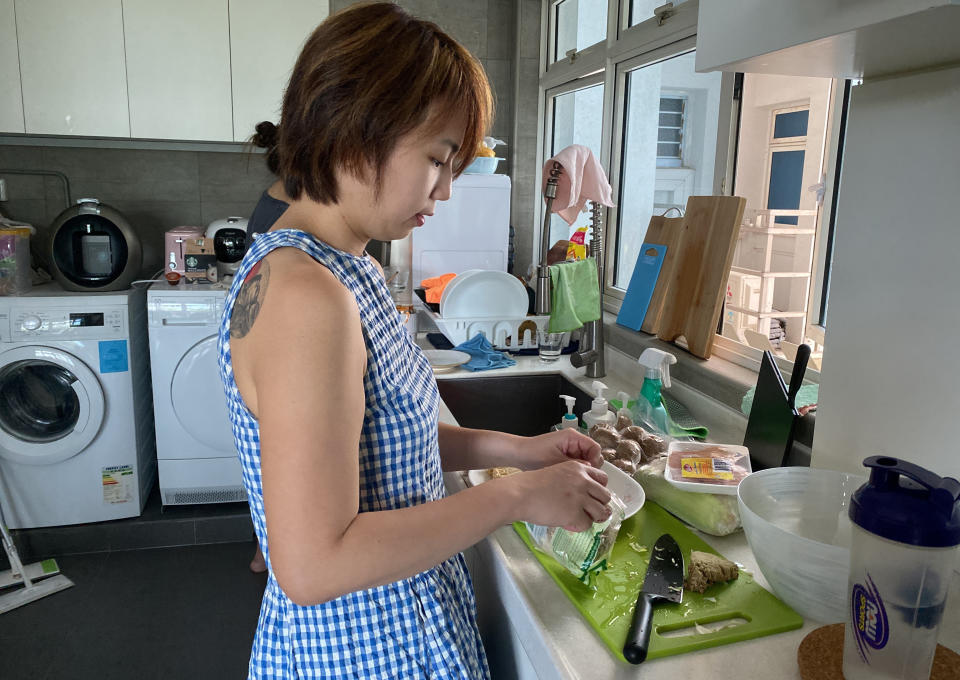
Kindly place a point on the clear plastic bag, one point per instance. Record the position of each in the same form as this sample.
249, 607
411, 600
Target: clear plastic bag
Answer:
713, 514
582, 553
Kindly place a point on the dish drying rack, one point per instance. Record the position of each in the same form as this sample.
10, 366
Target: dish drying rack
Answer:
504, 334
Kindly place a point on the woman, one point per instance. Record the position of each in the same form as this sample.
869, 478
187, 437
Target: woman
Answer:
334, 410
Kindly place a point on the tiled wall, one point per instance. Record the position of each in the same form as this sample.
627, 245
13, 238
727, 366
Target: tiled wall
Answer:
155, 190
160, 189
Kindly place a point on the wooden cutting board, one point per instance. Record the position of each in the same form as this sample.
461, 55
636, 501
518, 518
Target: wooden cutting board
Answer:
701, 266
664, 231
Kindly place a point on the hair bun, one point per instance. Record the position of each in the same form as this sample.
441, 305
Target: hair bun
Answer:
266, 135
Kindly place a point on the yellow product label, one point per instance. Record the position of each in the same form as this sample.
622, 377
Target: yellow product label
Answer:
705, 468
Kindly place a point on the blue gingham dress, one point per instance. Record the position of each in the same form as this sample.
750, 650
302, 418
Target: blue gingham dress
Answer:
419, 627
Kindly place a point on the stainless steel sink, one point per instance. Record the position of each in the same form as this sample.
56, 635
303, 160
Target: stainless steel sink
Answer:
525, 405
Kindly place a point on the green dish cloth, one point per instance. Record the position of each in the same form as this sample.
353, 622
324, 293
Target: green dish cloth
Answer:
679, 421
574, 295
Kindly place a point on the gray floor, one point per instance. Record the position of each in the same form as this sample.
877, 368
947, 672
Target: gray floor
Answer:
171, 613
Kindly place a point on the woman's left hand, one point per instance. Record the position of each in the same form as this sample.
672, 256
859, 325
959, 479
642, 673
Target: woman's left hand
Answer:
557, 447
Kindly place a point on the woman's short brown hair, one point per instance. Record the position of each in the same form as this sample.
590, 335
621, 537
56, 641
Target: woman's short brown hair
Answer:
367, 76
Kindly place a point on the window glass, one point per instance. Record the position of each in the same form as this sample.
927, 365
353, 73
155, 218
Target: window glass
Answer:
577, 119
786, 182
669, 148
779, 170
792, 124
578, 24
641, 10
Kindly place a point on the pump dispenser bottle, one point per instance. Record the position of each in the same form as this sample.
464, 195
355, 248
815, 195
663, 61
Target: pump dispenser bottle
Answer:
569, 420
599, 411
657, 377
624, 410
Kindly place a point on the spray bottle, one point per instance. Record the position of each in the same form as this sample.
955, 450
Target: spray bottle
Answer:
657, 363
599, 411
569, 420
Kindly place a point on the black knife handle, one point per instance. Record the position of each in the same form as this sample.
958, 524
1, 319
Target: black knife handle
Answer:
638, 639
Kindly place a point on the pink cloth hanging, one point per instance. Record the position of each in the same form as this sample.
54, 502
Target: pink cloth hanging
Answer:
582, 180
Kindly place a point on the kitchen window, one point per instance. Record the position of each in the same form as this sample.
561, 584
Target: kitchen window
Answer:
630, 91
575, 118
577, 24
663, 160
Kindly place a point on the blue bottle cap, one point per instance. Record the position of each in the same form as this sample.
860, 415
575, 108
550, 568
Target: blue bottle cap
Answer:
920, 510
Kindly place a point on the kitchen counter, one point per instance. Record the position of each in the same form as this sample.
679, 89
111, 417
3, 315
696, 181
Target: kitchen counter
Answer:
531, 629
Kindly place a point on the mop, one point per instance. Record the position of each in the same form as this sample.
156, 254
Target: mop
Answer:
34, 580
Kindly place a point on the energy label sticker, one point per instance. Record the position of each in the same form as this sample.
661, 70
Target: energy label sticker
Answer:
118, 484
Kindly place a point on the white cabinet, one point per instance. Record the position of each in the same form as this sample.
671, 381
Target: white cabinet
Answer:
11, 101
263, 52
827, 38
178, 69
205, 70
72, 67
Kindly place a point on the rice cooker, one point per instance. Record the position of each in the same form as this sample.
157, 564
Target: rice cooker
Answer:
229, 242
93, 248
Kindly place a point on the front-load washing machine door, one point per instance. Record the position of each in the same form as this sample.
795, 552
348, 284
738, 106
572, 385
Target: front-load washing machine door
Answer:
196, 393
51, 405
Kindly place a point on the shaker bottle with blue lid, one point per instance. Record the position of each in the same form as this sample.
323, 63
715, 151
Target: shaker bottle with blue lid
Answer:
906, 527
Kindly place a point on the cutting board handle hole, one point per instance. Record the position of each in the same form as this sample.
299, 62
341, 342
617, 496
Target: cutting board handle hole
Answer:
703, 626
651, 252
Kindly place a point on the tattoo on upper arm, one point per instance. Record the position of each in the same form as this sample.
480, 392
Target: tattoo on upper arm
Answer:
249, 300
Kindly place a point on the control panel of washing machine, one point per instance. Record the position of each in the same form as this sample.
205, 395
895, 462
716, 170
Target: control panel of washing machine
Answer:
68, 324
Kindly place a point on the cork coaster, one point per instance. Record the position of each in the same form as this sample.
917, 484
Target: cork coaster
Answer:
820, 657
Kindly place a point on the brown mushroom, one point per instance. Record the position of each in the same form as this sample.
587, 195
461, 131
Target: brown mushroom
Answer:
634, 432
627, 449
623, 422
604, 435
652, 446
609, 454
627, 466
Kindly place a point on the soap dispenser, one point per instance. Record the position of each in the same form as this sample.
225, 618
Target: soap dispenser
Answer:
569, 420
599, 411
657, 363
624, 411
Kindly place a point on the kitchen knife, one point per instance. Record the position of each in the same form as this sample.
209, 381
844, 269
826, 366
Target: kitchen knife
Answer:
664, 581
799, 368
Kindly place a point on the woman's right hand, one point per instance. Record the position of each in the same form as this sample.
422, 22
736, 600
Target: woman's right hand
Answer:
571, 494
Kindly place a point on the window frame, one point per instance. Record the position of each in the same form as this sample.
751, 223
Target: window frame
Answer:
608, 62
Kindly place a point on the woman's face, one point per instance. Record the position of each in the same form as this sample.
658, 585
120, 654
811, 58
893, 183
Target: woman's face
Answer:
417, 174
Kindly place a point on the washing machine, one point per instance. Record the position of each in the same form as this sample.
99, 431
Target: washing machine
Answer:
76, 418
196, 458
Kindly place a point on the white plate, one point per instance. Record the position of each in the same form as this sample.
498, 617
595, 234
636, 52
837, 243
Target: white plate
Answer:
698, 487
618, 481
486, 294
444, 360
453, 283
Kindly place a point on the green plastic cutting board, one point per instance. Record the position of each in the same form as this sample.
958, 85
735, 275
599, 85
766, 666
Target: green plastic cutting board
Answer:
608, 603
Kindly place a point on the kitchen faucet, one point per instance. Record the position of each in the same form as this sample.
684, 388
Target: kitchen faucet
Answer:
591, 337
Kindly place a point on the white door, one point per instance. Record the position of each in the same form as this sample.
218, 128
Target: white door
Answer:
51, 405
178, 68
263, 53
11, 103
198, 401
72, 67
